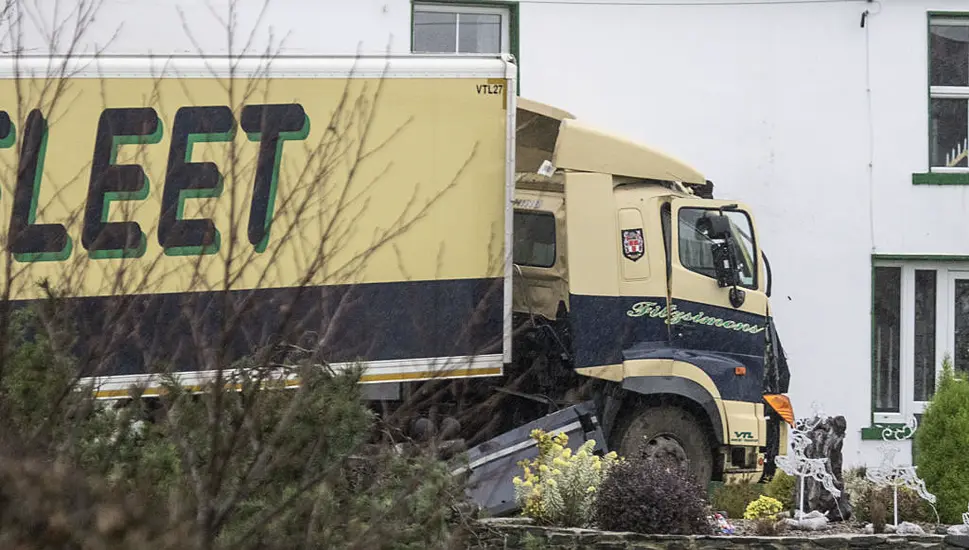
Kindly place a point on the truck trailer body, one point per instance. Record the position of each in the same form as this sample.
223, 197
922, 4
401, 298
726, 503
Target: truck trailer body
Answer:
129, 171
411, 214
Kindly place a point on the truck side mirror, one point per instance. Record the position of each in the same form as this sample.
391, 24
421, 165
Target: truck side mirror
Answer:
717, 229
727, 270
725, 264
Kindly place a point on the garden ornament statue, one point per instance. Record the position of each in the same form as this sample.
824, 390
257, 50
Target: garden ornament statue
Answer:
827, 441
799, 464
888, 474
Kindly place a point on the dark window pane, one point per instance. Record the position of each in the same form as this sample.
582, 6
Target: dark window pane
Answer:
479, 33
950, 120
534, 239
696, 246
924, 334
886, 309
435, 32
962, 325
744, 235
949, 50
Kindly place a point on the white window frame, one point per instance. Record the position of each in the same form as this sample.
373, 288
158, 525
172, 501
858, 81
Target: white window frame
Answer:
944, 329
459, 9
946, 92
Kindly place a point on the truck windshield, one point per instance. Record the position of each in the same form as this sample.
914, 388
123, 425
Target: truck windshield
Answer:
534, 238
696, 251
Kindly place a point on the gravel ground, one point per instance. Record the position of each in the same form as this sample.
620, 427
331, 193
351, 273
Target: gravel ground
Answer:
743, 527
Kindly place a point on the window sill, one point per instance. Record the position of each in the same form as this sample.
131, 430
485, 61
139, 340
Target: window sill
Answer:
874, 432
941, 178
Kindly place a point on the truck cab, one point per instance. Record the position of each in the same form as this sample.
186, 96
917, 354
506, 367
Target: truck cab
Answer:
652, 293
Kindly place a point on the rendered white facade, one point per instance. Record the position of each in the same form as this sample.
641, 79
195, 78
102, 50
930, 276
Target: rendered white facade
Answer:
816, 121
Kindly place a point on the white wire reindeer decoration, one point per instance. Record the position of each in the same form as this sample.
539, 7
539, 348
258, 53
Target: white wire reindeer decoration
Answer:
888, 474
798, 464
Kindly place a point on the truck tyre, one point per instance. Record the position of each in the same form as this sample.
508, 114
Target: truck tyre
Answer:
669, 432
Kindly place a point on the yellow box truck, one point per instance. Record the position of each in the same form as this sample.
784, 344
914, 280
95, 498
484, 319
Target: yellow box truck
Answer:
411, 214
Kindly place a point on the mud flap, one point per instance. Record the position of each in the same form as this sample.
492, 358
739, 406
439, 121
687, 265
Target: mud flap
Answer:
491, 466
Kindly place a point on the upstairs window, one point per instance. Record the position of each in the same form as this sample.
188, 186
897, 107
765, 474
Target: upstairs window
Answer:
456, 28
949, 94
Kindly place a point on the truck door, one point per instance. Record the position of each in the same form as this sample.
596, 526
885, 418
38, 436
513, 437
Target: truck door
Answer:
717, 307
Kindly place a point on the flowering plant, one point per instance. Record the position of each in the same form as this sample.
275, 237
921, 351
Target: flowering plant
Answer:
763, 512
764, 507
559, 486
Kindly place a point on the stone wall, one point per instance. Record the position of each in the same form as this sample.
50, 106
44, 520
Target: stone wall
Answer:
500, 534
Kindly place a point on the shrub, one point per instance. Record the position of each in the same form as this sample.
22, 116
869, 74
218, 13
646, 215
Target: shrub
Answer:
856, 483
80, 475
878, 513
37, 404
943, 443
734, 498
763, 512
652, 496
865, 496
782, 487
559, 487
46, 505
763, 508
911, 507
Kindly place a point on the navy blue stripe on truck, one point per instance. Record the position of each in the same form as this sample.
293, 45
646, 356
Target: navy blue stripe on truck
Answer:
373, 322
608, 330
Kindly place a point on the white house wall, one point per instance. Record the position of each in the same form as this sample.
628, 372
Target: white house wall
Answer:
770, 99
165, 27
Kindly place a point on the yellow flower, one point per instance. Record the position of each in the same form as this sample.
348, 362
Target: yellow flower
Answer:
557, 462
763, 508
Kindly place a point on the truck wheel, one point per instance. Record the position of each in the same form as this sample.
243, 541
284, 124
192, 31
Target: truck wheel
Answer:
672, 433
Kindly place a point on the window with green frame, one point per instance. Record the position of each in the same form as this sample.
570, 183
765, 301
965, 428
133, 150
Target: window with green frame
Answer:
920, 315
948, 80
446, 27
